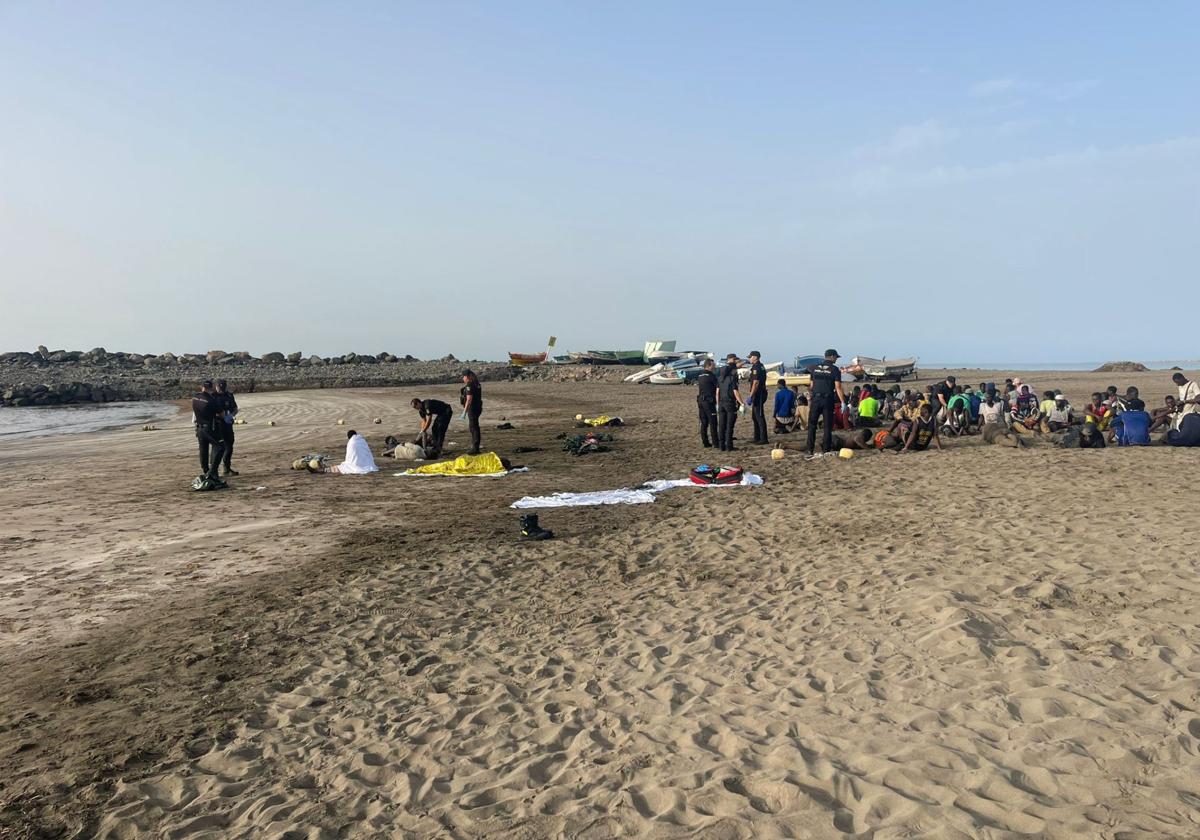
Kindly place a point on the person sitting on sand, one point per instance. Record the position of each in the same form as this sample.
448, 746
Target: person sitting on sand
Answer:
1189, 397
1188, 433
359, 460
1061, 416
1047, 404
991, 410
1024, 416
868, 409
785, 407
958, 413
801, 415
923, 432
1099, 411
1166, 416
906, 416
1090, 436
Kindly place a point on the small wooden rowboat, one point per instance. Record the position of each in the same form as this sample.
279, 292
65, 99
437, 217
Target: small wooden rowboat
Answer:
526, 359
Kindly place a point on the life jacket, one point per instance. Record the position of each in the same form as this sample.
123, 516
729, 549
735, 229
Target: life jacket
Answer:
705, 474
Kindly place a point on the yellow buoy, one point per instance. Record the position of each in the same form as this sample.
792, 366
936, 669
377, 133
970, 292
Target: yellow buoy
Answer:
846, 453
578, 416
315, 465
299, 464
270, 422
341, 421
378, 421
776, 454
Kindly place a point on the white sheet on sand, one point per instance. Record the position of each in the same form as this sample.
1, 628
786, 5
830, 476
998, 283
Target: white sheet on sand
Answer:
359, 460
638, 496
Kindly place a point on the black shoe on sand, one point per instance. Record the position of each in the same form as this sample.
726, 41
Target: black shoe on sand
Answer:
530, 530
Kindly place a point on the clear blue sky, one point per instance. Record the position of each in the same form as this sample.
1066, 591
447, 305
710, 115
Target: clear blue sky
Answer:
1012, 183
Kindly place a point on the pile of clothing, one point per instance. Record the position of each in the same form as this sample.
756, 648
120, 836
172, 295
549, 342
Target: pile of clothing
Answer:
583, 444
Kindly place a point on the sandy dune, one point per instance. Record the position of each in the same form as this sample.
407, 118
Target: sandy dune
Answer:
982, 643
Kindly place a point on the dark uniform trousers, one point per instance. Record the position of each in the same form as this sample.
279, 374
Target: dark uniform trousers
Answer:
758, 414
226, 430
473, 423
821, 406
726, 418
209, 437
708, 422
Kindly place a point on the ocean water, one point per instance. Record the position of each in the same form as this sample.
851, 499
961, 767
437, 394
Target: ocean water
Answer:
1159, 364
21, 423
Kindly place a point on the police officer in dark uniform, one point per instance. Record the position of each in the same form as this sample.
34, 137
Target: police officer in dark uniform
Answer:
758, 397
706, 399
471, 399
435, 420
729, 402
206, 414
826, 386
229, 410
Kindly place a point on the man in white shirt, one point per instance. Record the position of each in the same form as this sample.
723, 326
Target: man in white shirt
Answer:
991, 410
1062, 415
1189, 398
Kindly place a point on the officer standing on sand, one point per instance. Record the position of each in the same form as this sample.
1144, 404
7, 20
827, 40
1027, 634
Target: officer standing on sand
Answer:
229, 410
826, 386
729, 403
706, 399
206, 414
758, 397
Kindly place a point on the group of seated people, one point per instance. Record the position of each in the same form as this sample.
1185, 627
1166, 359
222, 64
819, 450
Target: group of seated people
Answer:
1009, 415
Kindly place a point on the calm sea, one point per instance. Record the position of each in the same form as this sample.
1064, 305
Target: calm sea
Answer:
1161, 364
21, 423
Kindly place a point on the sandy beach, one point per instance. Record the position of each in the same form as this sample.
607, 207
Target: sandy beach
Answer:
978, 643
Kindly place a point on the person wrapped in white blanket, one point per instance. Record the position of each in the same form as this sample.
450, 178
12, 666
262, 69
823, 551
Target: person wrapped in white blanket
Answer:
359, 460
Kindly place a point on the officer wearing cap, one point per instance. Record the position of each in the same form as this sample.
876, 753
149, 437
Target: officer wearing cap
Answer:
729, 402
826, 386
228, 410
758, 397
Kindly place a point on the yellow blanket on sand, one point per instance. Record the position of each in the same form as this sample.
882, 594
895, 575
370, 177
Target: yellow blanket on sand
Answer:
486, 463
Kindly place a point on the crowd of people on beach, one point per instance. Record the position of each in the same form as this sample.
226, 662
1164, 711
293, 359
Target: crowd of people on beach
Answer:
869, 416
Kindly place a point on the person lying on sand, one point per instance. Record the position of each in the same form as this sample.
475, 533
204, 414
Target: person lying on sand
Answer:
404, 451
999, 434
923, 432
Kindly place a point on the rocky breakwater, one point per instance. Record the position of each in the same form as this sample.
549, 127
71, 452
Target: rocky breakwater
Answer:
62, 377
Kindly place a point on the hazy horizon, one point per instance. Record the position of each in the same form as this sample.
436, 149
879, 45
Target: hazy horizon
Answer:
1019, 182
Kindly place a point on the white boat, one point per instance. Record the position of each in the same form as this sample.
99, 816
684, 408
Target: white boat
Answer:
744, 372
659, 351
668, 377
643, 375
885, 369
